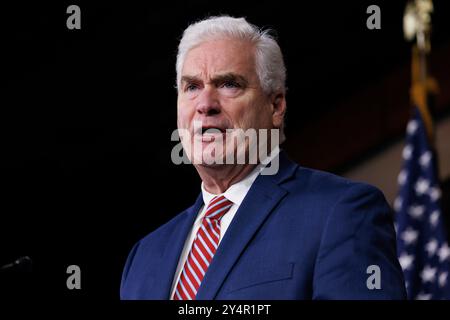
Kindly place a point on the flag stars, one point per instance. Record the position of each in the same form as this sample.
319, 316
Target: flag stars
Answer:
435, 193
424, 296
425, 159
424, 253
416, 211
412, 127
409, 236
434, 218
431, 247
428, 274
444, 252
407, 152
422, 186
403, 175
442, 280
406, 261
398, 204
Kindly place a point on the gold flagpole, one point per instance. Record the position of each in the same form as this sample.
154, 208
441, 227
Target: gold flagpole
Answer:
417, 25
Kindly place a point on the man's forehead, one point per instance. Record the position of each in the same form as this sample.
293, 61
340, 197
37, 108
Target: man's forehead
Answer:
219, 57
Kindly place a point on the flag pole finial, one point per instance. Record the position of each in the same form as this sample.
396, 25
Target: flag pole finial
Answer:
417, 25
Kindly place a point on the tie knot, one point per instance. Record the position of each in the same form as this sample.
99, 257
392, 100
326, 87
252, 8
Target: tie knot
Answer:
218, 207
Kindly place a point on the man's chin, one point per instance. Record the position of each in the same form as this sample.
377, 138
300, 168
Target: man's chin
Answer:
209, 166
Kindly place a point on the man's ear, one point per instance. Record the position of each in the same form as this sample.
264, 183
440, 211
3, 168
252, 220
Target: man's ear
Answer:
278, 109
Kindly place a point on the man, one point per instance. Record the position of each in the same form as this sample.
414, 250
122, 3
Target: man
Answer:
296, 233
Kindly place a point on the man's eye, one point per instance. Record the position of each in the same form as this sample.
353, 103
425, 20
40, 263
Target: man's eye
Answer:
191, 87
231, 84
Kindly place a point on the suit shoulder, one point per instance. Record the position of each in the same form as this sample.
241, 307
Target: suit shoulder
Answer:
329, 184
326, 186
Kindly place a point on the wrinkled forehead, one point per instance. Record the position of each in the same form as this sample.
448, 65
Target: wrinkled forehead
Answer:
221, 56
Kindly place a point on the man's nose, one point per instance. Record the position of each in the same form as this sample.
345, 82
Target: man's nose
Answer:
208, 102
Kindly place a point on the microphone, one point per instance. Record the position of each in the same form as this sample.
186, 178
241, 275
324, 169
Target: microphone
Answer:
23, 264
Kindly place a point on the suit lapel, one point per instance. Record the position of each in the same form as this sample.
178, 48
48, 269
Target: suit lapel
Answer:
172, 252
259, 202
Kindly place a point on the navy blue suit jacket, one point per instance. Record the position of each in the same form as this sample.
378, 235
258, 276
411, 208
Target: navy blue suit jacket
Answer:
299, 234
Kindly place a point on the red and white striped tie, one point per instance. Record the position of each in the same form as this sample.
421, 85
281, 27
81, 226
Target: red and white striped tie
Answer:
202, 250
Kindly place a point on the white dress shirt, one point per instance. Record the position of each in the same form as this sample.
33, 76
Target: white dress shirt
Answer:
236, 194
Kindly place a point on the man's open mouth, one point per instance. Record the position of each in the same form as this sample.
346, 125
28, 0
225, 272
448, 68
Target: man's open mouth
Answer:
212, 130
211, 133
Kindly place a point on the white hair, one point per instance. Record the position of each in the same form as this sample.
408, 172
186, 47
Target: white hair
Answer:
269, 59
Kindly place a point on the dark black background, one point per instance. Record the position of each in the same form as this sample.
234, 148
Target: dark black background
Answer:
86, 119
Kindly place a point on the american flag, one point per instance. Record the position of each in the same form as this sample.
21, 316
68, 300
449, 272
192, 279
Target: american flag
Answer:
422, 245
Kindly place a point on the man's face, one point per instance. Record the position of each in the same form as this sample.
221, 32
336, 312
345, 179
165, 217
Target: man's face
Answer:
220, 88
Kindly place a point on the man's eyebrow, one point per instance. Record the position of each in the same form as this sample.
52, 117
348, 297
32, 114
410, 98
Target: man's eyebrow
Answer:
230, 77
217, 79
190, 79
